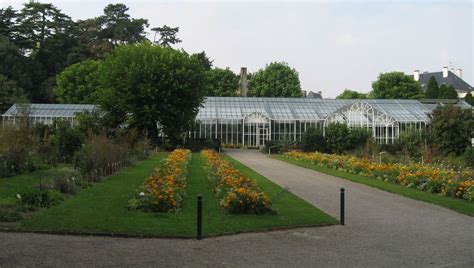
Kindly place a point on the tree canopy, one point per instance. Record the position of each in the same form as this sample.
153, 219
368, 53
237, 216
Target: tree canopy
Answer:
396, 85
277, 79
351, 94
222, 82
78, 83
145, 85
168, 35
39, 41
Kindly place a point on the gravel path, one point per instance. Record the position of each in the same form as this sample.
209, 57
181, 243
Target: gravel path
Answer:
381, 229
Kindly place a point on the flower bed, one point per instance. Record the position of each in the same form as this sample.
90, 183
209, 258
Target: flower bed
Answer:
164, 190
423, 177
237, 193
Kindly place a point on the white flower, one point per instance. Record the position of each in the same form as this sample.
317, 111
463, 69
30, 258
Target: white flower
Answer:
73, 179
18, 196
142, 194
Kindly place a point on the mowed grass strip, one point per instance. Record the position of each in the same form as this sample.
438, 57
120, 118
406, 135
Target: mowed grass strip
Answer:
459, 205
102, 209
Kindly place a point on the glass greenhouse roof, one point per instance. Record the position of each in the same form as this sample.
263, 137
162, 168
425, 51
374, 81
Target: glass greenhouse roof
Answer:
309, 109
51, 110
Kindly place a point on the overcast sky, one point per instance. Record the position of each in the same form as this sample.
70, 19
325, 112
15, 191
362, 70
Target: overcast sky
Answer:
333, 45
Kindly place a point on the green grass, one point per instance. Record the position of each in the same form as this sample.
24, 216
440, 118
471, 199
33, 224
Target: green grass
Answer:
102, 208
11, 186
459, 205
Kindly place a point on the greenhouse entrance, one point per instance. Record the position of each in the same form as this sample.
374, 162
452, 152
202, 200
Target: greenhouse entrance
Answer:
256, 130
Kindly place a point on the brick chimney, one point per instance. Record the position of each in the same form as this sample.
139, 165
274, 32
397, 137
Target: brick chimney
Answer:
243, 83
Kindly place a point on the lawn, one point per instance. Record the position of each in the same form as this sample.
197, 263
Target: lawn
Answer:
11, 186
459, 205
102, 209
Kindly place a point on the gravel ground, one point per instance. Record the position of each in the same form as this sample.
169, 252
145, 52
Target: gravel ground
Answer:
381, 229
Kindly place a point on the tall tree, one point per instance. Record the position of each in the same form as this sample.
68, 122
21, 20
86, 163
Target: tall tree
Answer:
144, 85
38, 21
277, 79
8, 26
432, 91
119, 28
167, 35
10, 93
78, 83
396, 85
447, 92
222, 82
351, 94
451, 129
23, 71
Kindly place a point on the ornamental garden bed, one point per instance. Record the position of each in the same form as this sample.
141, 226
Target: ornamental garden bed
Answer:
447, 188
104, 208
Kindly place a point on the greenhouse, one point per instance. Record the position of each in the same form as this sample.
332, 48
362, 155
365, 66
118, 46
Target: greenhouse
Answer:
46, 113
253, 121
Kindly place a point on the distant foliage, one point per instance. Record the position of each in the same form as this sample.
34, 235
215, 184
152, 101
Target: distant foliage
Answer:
313, 140
447, 92
396, 85
222, 82
432, 90
78, 83
277, 79
351, 94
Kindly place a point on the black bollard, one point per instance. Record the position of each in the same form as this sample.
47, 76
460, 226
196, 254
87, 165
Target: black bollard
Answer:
342, 206
199, 217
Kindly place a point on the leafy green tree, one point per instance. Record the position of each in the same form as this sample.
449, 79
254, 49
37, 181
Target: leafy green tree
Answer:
432, 91
117, 27
222, 82
78, 83
447, 92
396, 85
451, 129
10, 93
167, 35
143, 85
469, 98
358, 137
277, 79
351, 94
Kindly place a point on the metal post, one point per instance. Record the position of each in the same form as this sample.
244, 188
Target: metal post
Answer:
342, 206
199, 217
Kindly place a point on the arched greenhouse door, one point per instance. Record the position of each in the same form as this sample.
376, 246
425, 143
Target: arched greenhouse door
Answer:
256, 130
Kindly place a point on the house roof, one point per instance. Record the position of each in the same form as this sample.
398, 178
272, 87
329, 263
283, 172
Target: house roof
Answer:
452, 79
314, 95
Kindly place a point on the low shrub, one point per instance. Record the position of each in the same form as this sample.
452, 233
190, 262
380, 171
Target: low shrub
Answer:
39, 198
